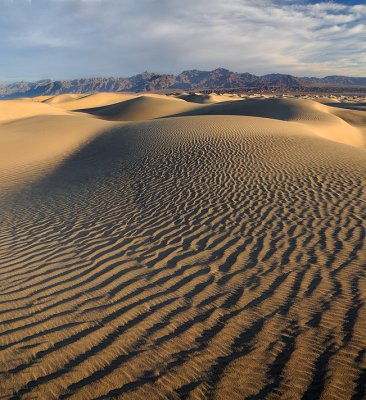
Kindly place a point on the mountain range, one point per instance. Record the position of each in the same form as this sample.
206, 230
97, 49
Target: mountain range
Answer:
219, 79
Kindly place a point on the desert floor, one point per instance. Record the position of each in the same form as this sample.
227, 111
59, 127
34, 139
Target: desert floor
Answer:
182, 247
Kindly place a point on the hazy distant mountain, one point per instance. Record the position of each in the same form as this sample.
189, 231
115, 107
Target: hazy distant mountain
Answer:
218, 79
345, 80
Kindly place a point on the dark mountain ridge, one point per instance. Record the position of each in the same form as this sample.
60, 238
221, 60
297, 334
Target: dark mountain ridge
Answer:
219, 79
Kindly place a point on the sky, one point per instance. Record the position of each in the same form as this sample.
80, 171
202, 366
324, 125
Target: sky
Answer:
65, 39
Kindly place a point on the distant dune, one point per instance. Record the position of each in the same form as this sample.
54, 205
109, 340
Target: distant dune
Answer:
63, 98
191, 248
76, 102
142, 108
13, 110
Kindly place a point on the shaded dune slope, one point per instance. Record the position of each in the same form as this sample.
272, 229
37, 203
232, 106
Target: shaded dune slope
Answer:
31, 147
195, 257
284, 109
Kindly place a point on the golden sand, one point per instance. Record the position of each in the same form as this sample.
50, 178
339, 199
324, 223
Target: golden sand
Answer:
161, 248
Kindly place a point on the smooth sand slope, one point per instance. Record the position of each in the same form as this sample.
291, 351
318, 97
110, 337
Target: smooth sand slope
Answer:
64, 98
210, 256
75, 102
15, 110
143, 107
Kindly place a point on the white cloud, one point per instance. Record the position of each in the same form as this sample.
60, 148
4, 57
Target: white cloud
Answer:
71, 38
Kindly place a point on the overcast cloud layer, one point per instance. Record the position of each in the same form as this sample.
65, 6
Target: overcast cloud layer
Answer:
64, 39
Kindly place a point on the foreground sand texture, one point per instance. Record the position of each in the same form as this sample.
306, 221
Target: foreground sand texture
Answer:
216, 251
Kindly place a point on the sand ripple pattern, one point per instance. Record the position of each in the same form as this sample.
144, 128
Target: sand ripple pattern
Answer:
188, 258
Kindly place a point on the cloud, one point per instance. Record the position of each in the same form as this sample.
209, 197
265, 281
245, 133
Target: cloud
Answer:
79, 38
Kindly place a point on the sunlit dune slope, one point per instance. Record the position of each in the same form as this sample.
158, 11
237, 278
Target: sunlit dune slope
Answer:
13, 110
63, 98
88, 101
32, 99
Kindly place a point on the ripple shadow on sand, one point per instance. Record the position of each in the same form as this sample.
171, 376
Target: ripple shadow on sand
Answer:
188, 257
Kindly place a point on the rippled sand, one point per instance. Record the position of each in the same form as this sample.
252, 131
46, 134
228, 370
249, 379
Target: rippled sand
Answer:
216, 251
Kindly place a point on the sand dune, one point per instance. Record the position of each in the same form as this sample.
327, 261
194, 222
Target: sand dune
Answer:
88, 101
283, 109
358, 106
64, 98
14, 110
33, 99
32, 147
216, 256
142, 108
317, 117
353, 117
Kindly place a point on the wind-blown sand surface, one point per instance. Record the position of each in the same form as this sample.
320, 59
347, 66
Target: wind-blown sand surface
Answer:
218, 253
